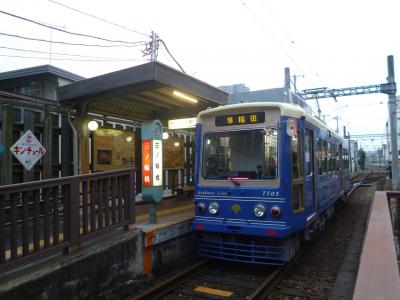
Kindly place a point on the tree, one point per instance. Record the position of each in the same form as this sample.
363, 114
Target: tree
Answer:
361, 159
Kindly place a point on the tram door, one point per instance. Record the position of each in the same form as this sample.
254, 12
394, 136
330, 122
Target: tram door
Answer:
311, 199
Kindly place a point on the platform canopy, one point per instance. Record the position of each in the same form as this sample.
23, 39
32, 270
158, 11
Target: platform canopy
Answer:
149, 91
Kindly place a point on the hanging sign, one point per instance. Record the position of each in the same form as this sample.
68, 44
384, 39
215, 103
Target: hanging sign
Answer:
28, 150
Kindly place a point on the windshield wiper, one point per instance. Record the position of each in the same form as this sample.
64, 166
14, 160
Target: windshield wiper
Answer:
237, 183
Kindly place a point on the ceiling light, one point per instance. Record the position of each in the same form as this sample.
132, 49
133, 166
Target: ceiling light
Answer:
93, 125
184, 96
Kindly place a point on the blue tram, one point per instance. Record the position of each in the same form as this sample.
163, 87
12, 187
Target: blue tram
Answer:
267, 176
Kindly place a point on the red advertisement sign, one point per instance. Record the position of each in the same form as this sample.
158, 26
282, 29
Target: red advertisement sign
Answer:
146, 163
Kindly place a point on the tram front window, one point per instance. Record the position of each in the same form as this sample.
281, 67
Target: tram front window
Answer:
244, 155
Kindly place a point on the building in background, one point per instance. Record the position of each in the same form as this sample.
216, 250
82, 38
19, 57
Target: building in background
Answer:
41, 81
269, 95
235, 88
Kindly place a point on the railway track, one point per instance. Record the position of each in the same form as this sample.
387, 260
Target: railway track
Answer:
211, 279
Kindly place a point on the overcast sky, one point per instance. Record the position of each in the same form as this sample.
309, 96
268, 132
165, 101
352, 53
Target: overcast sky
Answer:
334, 44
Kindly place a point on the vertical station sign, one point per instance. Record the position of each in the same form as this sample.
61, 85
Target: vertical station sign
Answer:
146, 163
152, 164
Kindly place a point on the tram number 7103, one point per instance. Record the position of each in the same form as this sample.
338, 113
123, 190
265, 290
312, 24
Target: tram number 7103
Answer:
270, 194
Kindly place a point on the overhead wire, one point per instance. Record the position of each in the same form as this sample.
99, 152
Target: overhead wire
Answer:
72, 59
72, 44
66, 31
166, 48
275, 40
58, 53
98, 18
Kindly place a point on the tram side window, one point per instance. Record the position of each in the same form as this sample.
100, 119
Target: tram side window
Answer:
308, 152
325, 156
345, 159
319, 154
329, 156
332, 157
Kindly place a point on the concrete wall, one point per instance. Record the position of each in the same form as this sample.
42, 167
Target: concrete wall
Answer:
104, 266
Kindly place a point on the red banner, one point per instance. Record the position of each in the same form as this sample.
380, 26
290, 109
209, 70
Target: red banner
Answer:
146, 163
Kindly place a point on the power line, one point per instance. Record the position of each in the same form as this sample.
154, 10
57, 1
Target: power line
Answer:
166, 48
58, 53
66, 31
72, 44
275, 40
72, 59
98, 18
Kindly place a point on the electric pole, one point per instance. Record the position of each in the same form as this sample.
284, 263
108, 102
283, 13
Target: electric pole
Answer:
287, 91
153, 47
393, 124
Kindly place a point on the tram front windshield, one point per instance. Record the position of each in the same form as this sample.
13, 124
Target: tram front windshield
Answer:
243, 155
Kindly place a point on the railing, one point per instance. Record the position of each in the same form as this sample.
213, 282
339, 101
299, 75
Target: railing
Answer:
60, 213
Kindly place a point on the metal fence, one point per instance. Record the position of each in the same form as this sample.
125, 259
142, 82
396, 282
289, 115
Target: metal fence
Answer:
60, 213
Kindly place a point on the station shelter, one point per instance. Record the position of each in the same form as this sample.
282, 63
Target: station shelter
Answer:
119, 102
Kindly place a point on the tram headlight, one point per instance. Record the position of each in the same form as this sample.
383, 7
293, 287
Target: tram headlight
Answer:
259, 210
201, 207
275, 211
213, 208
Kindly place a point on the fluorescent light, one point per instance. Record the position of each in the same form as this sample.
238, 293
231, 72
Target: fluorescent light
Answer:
184, 96
165, 135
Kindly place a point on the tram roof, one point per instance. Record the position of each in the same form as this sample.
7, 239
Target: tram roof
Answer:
143, 92
287, 109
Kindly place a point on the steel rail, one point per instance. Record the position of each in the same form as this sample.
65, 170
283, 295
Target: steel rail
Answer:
169, 285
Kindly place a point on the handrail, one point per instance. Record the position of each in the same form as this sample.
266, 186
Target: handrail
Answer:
47, 214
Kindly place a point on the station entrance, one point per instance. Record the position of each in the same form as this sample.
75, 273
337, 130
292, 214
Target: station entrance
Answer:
118, 103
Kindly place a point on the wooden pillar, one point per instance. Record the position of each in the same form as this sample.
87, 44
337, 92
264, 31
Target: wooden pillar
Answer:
66, 148
29, 117
7, 124
81, 124
83, 132
138, 159
48, 145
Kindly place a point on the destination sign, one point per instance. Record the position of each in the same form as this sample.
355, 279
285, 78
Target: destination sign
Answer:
240, 119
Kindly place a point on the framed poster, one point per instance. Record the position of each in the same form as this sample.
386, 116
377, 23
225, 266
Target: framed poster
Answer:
174, 153
113, 149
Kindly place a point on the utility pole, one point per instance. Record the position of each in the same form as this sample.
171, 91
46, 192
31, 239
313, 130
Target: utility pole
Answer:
295, 81
337, 123
393, 124
287, 92
154, 47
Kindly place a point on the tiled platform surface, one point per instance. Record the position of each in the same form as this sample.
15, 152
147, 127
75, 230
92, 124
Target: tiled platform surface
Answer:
378, 273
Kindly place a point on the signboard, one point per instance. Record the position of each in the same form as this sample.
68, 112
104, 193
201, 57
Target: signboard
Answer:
182, 123
28, 150
152, 168
240, 119
146, 163
113, 149
157, 162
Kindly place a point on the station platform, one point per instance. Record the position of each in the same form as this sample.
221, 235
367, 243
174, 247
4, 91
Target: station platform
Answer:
144, 249
378, 273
